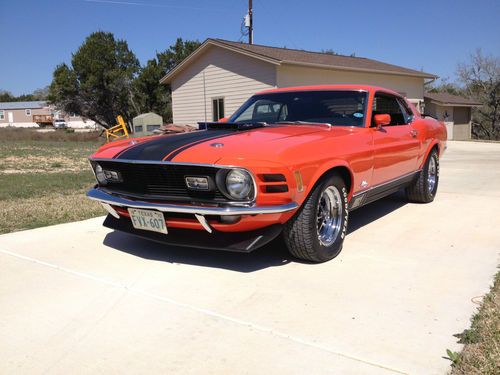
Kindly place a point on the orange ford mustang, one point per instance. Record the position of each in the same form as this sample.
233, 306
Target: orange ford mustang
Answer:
290, 161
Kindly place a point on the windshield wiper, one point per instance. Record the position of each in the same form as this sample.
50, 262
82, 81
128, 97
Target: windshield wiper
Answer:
304, 123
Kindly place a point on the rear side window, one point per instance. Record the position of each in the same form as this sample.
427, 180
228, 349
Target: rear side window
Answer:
407, 112
388, 104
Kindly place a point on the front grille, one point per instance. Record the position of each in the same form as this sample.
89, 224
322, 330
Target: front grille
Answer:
162, 181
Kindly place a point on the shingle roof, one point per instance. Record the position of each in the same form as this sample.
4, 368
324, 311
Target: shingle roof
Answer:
445, 98
23, 105
285, 55
280, 56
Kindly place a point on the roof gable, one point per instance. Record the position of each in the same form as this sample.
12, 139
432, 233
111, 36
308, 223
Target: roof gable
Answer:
278, 56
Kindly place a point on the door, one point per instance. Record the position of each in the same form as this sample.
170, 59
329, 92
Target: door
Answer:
396, 146
10, 117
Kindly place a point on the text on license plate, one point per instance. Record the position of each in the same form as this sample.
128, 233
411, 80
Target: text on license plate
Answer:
148, 220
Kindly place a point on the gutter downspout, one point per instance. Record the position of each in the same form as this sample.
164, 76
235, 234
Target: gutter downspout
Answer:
204, 96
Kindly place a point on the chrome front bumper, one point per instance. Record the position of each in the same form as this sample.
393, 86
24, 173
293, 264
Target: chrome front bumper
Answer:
108, 200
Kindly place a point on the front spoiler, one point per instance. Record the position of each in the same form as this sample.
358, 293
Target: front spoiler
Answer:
243, 242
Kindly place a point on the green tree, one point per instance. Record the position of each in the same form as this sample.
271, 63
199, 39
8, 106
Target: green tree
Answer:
481, 80
168, 59
150, 95
444, 85
99, 83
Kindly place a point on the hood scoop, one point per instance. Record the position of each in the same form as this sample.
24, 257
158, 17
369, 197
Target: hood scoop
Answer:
231, 125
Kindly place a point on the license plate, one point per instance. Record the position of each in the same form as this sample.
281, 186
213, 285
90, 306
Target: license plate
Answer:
148, 220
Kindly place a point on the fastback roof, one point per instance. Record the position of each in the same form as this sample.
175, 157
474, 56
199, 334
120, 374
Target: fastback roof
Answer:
280, 56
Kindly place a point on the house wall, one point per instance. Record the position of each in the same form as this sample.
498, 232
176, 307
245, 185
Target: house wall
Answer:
292, 75
218, 73
20, 118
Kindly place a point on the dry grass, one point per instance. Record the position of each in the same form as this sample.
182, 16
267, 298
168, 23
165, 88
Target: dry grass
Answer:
43, 182
481, 353
19, 134
28, 213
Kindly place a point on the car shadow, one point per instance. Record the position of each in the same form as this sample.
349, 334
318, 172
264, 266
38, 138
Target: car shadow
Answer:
376, 210
271, 255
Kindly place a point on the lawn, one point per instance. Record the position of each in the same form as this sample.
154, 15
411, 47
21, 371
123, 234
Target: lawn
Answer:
481, 353
44, 177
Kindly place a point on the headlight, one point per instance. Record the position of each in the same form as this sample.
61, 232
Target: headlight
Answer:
239, 184
99, 175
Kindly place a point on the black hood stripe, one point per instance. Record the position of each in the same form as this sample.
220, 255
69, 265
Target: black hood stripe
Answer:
173, 154
166, 147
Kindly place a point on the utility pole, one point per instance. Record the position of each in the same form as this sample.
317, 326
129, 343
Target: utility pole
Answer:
250, 23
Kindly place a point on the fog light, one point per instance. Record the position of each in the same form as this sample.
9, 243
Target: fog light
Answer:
197, 183
230, 219
112, 176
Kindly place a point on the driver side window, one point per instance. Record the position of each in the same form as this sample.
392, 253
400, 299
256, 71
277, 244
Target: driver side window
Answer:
388, 104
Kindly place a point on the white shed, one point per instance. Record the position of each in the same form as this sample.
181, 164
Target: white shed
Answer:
146, 123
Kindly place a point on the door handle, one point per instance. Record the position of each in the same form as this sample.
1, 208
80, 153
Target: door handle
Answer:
413, 133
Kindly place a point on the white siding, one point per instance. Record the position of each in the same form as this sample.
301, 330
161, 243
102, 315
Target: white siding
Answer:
232, 76
291, 75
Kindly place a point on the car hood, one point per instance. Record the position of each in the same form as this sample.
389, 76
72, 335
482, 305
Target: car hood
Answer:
266, 144
210, 146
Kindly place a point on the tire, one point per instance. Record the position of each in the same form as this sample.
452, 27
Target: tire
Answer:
424, 188
302, 233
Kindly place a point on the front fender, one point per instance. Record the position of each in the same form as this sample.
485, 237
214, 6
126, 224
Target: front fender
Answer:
311, 179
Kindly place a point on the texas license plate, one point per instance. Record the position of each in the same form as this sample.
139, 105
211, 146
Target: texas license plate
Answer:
148, 220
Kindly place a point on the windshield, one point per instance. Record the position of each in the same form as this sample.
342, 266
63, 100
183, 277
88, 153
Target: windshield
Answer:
335, 107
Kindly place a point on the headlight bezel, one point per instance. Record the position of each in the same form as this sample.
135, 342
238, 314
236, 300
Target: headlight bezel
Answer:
99, 174
221, 180
105, 176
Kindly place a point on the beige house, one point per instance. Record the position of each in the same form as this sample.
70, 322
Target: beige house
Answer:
454, 110
220, 75
24, 115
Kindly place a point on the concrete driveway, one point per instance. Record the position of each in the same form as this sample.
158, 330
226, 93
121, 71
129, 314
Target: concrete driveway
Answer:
77, 298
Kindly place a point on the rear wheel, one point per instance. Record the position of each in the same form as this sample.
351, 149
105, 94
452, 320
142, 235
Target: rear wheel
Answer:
424, 188
316, 233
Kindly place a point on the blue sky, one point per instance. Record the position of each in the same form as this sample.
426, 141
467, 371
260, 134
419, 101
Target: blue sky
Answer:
36, 35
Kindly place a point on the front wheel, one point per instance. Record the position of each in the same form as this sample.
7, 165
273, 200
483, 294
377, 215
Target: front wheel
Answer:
316, 233
424, 188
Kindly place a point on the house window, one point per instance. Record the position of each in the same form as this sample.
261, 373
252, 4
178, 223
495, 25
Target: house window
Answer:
2, 115
28, 112
217, 109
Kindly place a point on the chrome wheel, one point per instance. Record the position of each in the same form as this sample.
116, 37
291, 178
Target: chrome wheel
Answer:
329, 216
431, 174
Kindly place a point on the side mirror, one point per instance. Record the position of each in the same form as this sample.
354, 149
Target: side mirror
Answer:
224, 119
381, 120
